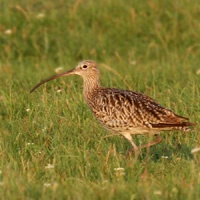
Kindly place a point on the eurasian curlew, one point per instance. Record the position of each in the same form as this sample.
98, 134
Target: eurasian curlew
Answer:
122, 111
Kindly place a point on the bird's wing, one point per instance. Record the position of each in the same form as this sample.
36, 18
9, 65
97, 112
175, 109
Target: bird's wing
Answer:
123, 107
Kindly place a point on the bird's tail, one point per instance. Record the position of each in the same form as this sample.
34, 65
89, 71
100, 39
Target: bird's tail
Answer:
184, 126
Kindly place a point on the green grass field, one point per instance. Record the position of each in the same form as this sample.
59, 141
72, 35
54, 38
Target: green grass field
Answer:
51, 146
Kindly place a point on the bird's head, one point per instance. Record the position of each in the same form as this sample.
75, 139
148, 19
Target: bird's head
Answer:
86, 69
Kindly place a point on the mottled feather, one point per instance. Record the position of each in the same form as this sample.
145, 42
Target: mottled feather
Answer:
126, 109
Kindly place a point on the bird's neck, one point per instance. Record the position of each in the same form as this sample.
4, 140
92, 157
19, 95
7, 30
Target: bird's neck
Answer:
90, 85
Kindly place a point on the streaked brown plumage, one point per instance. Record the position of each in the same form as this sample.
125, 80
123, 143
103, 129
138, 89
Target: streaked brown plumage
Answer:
122, 111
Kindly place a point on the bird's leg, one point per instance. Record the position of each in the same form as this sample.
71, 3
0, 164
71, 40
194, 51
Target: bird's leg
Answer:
135, 148
149, 144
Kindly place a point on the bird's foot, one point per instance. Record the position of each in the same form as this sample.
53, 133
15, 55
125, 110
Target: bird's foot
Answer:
149, 144
136, 151
133, 153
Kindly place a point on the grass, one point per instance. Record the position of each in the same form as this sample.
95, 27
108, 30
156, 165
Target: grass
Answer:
51, 146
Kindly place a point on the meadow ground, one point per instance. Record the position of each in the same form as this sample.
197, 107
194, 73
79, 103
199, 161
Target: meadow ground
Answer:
51, 146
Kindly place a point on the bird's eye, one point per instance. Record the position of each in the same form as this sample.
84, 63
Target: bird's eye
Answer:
84, 66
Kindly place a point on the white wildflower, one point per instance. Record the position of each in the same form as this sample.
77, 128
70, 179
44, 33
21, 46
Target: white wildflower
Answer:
53, 185
58, 69
198, 72
49, 166
8, 32
58, 91
157, 192
165, 157
174, 190
133, 62
119, 171
29, 143
40, 16
44, 129
195, 150
47, 184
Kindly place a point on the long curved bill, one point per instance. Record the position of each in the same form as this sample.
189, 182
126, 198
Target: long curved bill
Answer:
53, 77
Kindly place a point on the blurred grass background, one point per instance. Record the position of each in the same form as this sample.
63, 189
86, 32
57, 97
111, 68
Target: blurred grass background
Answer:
51, 146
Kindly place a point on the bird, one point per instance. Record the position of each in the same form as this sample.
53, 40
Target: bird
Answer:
124, 112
